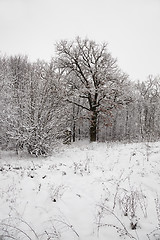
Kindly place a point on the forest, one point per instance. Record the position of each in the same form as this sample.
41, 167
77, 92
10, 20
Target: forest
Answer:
80, 94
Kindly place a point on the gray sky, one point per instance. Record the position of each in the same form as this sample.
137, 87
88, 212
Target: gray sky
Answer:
130, 27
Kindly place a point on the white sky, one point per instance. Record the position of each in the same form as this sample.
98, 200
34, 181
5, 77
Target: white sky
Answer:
130, 27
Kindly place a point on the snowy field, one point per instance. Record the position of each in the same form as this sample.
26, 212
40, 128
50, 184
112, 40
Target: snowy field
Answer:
84, 191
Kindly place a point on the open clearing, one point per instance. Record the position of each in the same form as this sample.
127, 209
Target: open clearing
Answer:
83, 191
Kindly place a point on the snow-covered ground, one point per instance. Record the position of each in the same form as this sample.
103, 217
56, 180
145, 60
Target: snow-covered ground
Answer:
83, 191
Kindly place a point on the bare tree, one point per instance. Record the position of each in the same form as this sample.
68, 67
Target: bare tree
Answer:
93, 75
5, 100
148, 104
34, 114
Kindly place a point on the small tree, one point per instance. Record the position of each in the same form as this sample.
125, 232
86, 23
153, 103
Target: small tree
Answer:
46, 115
92, 76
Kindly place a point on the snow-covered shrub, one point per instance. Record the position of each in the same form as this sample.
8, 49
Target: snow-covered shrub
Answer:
35, 113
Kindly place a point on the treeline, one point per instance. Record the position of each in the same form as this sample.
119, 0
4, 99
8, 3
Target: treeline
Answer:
81, 92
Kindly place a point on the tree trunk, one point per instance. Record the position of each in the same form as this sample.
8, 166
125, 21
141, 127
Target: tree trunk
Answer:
93, 126
74, 125
74, 131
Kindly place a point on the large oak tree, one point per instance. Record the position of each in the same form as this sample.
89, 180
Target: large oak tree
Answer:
93, 76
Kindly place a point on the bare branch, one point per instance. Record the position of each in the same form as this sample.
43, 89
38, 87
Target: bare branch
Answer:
77, 104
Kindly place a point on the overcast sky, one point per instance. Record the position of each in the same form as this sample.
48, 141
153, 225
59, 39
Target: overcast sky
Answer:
130, 27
